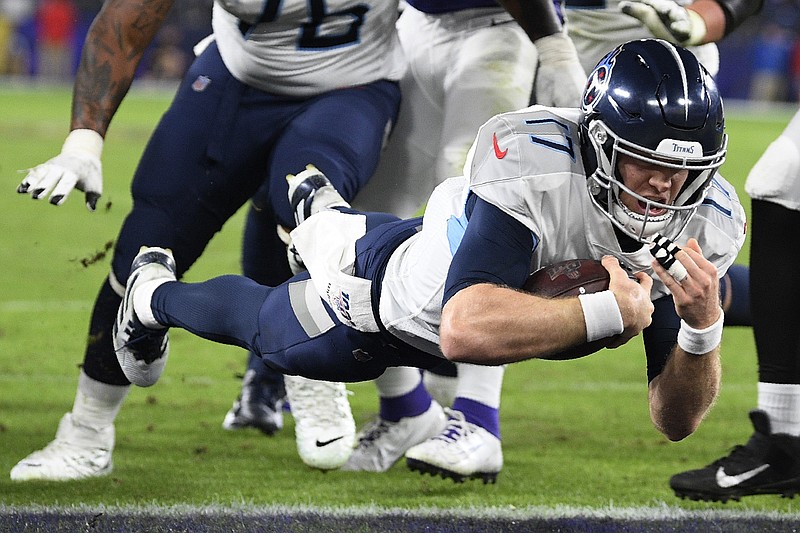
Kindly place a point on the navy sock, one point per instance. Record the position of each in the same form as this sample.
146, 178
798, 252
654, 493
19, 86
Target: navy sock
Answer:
413, 403
479, 414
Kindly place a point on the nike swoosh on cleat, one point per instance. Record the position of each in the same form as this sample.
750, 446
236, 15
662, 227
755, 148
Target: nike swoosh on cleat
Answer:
725, 481
321, 443
500, 154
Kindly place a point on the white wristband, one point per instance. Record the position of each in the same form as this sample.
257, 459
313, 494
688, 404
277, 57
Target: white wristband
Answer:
601, 314
83, 140
701, 341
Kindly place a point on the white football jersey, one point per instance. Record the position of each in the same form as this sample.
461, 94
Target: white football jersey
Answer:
528, 164
302, 48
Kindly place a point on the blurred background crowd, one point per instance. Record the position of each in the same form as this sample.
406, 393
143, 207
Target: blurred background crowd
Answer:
41, 40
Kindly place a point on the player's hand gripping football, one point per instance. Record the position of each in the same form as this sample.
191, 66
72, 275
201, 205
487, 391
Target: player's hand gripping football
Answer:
667, 20
76, 167
633, 299
697, 295
560, 78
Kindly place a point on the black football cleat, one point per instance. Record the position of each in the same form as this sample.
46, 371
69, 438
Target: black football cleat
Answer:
768, 464
259, 405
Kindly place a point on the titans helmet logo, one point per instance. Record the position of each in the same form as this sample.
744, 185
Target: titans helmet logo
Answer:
597, 84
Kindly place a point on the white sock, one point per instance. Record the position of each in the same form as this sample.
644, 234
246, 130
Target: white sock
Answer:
480, 383
441, 388
142, 299
96, 403
781, 401
397, 381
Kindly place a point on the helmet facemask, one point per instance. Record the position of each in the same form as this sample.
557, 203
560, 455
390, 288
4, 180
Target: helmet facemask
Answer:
605, 184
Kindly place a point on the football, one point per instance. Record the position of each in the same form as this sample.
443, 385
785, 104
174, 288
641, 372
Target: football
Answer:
570, 278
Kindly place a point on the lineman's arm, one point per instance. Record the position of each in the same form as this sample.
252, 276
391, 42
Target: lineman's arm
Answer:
702, 21
113, 48
681, 395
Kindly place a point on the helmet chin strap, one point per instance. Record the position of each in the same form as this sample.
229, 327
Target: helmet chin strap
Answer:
639, 225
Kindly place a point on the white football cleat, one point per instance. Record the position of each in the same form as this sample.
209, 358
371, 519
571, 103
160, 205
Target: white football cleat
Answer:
141, 344
325, 431
381, 443
77, 452
462, 451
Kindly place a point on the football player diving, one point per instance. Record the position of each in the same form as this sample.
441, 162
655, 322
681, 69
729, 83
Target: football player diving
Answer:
634, 164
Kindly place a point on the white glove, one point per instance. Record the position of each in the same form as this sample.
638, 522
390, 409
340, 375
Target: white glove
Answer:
667, 20
560, 78
76, 167
295, 261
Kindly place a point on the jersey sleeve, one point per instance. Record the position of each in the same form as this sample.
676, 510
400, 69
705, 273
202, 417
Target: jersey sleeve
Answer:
719, 225
495, 248
524, 162
661, 335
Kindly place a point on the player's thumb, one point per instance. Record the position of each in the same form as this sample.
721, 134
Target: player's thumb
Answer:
611, 264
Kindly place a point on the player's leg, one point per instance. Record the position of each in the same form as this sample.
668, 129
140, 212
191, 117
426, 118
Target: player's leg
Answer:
469, 446
292, 329
408, 415
290, 326
284, 324
491, 71
769, 463
405, 176
341, 133
261, 399
182, 195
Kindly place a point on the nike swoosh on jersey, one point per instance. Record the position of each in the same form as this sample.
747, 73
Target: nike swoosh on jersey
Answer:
500, 154
725, 481
322, 443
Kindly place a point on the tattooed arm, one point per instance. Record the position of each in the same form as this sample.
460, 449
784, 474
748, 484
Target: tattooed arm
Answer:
118, 37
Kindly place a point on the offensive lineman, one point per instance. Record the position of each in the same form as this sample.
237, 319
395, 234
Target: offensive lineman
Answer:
278, 85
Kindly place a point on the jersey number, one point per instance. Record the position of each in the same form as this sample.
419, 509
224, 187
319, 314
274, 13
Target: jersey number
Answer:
312, 33
548, 141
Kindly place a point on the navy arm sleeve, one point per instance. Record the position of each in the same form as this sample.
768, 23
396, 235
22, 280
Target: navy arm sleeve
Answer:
660, 336
495, 248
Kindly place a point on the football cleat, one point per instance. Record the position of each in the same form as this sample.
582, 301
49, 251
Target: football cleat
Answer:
769, 463
325, 431
77, 452
310, 192
142, 350
461, 451
381, 443
258, 406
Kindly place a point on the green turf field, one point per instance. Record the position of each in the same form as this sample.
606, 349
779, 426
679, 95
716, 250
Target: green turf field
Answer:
575, 433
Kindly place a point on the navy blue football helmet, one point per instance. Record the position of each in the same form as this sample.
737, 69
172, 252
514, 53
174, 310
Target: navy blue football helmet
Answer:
653, 101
